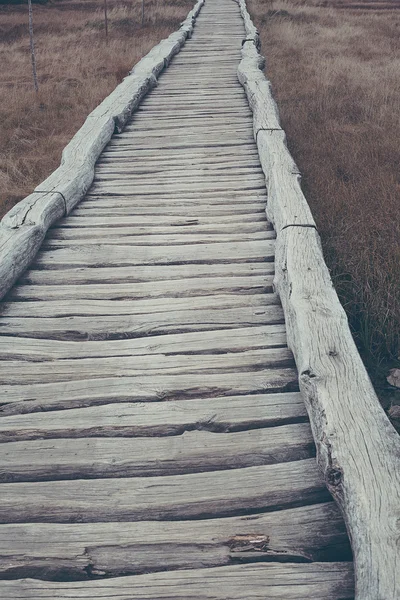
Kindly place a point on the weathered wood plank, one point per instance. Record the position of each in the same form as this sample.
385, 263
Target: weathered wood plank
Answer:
203, 144
113, 237
167, 121
140, 127
166, 232
317, 581
190, 452
176, 137
116, 308
198, 495
140, 140
175, 221
174, 210
213, 201
138, 419
198, 162
139, 274
214, 342
119, 186
208, 196
70, 319
14, 372
178, 215
52, 550
19, 398
253, 284
261, 250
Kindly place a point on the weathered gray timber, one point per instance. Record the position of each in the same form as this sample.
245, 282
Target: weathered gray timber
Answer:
176, 497
318, 581
188, 452
218, 342
50, 550
153, 440
138, 419
358, 448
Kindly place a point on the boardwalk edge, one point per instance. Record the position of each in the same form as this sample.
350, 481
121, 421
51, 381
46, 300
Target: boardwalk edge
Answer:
358, 450
23, 228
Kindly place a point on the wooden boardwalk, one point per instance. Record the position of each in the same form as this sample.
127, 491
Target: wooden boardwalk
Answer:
155, 444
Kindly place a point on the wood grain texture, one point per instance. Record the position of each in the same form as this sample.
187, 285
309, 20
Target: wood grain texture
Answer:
198, 343
189, 452
28, 398
252, 284
13, 372
358, 449
54, 550
114, 213
258, 250
142, 274
123, 319
141, 419
177, 497
148, 220
164, 240
318, 581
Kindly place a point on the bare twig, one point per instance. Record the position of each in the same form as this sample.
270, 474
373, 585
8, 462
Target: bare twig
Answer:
106, 19
32, 45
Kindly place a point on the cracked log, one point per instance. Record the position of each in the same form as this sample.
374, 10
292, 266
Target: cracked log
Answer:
53, 551
190, 452
316, 581
141, 419
177, 497
22, 372
17, 399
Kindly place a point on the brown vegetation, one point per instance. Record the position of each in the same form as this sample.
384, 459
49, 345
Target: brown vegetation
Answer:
76, 70
336, 78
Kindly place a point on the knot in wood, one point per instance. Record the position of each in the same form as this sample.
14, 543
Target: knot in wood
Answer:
308, 374
334, 476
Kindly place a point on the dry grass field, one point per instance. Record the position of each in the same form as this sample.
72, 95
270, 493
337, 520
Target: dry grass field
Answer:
336, 78
76, 69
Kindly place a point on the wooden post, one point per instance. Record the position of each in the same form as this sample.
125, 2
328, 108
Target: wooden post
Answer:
106, 19
32, 45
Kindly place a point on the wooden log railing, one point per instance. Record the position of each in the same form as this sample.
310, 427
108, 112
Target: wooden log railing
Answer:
358, 449
24, 227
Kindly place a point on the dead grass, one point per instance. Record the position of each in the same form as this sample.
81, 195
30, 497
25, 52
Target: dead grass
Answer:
76, 69
336, 78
